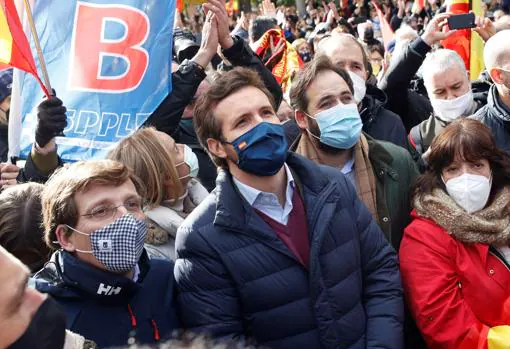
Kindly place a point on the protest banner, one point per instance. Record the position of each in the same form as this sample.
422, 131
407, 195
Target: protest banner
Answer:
109, 61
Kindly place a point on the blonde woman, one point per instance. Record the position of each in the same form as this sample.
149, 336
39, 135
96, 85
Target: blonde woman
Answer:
169, 172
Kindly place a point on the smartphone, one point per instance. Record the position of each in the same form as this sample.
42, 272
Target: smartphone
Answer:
464, 21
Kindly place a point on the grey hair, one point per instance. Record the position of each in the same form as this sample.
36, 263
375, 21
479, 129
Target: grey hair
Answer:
440, 61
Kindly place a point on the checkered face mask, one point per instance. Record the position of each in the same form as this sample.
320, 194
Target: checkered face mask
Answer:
118, 245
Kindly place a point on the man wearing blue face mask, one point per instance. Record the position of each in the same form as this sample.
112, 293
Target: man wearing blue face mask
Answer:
281, 253
382, 173
110, 290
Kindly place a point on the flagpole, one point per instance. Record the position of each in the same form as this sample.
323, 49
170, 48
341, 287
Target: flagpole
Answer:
40, 55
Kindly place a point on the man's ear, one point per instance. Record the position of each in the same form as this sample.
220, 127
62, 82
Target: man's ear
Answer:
64, 238
216, 148
496, 76
301, 119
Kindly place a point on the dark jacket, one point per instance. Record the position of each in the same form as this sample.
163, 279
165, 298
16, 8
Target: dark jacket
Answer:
397, 83
107, 308
497, 118
237, 279
167, 117
395, 173
39, 168
4, 144
380, 123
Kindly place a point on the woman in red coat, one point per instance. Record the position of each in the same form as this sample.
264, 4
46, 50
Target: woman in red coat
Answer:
455, 255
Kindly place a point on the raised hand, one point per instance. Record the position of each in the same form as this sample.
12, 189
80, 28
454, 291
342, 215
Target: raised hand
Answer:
485, 28
220, 12
8, 174
268, 8
51, 121
436, 29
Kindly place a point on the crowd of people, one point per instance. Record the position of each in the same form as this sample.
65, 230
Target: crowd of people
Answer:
358, 197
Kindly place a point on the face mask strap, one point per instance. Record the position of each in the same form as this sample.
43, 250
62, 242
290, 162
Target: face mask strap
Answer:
79, 232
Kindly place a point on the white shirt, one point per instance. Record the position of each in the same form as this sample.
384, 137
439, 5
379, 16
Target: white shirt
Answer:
348, 171
268, 203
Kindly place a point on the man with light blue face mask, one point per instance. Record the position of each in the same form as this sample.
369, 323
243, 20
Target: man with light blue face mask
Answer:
326, 112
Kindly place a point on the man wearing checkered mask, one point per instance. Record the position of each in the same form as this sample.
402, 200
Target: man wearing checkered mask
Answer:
111, 291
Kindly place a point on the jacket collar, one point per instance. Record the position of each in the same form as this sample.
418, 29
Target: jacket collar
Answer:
495, 105
374, 100
232, 211
68, 277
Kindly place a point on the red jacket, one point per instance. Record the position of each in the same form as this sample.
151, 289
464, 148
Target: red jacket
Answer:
458, 293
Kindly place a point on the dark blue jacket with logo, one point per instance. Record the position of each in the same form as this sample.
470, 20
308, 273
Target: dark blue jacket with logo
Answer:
107, 308
237, 279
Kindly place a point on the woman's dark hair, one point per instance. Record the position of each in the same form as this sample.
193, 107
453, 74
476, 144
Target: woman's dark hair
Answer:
469, 140
21, 231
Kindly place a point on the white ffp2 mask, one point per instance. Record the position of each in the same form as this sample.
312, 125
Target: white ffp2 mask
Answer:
471, 192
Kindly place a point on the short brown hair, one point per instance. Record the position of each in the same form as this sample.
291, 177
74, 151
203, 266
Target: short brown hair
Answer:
150, 161
306, 76
469, 140
21, 231
58, 205
206, 124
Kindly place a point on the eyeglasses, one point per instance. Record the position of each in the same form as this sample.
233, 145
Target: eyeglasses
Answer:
104, 211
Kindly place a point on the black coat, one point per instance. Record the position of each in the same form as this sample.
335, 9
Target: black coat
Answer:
167, 117
399, 84
4, 145
379, 122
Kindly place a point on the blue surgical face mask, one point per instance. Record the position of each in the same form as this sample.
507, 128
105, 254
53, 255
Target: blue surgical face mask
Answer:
261, 151
340, 126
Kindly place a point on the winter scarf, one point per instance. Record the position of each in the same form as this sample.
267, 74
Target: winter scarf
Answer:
490, 225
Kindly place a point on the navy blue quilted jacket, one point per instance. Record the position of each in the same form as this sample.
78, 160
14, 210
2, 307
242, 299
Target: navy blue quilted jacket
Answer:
237, 279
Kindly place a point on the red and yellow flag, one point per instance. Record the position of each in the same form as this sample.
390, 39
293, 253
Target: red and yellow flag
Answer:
14, 47
286, 60
466, 43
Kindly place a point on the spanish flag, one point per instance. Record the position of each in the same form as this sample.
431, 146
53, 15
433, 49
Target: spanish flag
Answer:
286, 62
468, 44
14, 47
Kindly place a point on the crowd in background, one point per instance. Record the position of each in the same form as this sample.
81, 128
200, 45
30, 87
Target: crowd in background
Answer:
306, 184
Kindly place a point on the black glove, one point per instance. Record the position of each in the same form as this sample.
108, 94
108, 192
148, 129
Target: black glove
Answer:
51, 120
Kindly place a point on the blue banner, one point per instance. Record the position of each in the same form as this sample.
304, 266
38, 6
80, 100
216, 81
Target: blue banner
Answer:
110, 63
